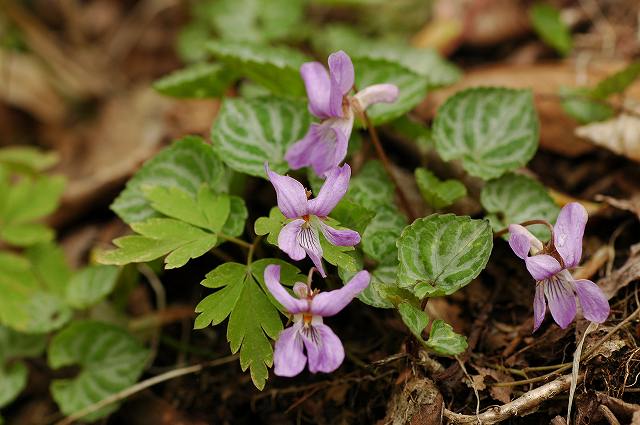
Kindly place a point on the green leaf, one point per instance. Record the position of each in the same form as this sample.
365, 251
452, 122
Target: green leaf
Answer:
234, 226
438, 193
352, 215
249, 132
515, 198
271, 225
616, 83
577, 103
413, 131
27, 159
413, 87
25, 291
186, 164
491, 130
549, 26
424, 62
276, 68
13, 374
443, 340
442, 253
256, 20
208, 210
339, 256
414, 317
200, 81
371, 188
91, 285
252, 317
25, 201
379, 239
110, 360
192, 40
160, 236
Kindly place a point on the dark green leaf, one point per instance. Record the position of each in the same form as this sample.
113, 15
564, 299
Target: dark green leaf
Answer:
201, 80
438, 193
443, 340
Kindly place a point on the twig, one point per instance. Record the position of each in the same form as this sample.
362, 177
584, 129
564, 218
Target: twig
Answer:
143, 385
161, 306
386, 163
517, 407
608, 414
473, 385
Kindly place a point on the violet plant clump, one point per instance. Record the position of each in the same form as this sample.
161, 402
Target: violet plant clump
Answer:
324, 350
325, 144
300, 237
549, 265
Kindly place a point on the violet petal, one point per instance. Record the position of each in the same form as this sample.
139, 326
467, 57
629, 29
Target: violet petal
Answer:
344, 237
332, 191
324, 349
272, 280
542, 266
539, 307
561, 298
288, 355
288, 239
568, 232
309, 240
318, 86
341, 75
377, 93
595, 306
329, 303
290, 193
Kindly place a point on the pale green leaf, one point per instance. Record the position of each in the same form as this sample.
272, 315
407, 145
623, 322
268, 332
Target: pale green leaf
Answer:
339, 256
549, 26
234, 226
13, 373
438, 193
577, 103
201, 80
371, 187
412, 87
515, 198
13, 379
249, 132
271, 225
379, 238
26, 234
415, 318
91, 285
352, 215
442, 253
27, 158
491, 130
31, 199
276, 68
186, 164
23, 293
616, 83
110, 360
443, 340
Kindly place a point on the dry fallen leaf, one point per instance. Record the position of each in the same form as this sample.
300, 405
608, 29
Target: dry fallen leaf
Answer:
502, 394
620, 135
626, 274
632, 204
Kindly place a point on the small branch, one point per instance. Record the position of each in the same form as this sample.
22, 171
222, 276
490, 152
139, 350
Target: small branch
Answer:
236, 241
525, 224
386, 163
517, 407
143, 385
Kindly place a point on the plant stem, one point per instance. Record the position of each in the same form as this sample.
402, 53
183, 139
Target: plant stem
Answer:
236, 241
386, 163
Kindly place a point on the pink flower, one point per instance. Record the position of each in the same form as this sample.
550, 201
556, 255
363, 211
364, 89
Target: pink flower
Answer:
324, 350
325, 144
549, 267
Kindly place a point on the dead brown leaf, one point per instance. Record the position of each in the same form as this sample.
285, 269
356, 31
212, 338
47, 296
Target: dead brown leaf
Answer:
620, 135
557, 128
502, 394
626, 274
632, 204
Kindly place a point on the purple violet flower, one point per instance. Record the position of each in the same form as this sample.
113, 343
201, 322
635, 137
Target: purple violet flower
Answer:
300, 237
325, 352
325, 144
549, 267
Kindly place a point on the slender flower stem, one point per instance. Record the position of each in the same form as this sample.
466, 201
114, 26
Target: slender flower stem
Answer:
252, 249
236, 241
525, 224
386, 163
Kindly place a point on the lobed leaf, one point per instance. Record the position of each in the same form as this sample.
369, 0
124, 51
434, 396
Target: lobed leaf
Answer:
271, 225
442, 253
491, 130
186, 165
